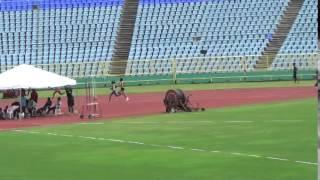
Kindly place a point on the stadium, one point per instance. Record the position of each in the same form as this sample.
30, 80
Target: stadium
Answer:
158, 89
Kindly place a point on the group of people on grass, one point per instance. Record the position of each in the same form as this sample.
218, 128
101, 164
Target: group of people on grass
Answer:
28, 105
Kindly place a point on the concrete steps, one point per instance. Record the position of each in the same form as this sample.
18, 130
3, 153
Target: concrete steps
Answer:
124, 37
279, 37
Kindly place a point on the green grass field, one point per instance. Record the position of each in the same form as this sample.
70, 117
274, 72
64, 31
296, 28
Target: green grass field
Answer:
239, 143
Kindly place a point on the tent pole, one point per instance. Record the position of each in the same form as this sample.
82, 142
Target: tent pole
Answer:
20, 114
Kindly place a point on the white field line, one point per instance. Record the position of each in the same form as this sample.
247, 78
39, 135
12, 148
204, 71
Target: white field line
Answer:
215, 151
204, 122
275, 158
239, 121
134, 142
66, 135
304, 162
175, 147
253, 155
169, 146
195, 149
34, 132
91, 123
239, 154
284, 121
86, 137
52, 134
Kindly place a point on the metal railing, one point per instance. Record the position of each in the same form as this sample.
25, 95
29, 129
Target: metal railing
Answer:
179, 65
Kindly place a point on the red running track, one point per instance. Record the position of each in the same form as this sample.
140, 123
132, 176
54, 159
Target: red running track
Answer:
151, 103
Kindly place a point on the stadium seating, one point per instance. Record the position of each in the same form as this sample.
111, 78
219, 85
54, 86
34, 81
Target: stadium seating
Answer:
301, 44
51, 32
181, 29
77, 38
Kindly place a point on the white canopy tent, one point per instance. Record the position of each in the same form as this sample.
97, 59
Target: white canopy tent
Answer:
29, 77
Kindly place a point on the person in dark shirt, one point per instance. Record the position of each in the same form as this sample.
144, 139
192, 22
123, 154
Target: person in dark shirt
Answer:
34, 95
295, 71
114, 91
70, 99
2, 115
45, 107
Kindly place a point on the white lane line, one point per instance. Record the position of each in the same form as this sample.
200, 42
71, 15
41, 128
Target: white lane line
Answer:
66, 135
239, 154
137, 122
91, 123
275, 158
172, 147
201, 150
238, 121
253, 155
52, 134
175, 147
215, 151
134, 142
284, 121
34, 132
189, 122
87, 137
19, 130
304, 162
115, 140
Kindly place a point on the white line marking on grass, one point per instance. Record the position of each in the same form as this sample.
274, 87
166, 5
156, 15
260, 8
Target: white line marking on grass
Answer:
239, 121
283, 120
19, 130
135, 142
34, 132
194, 149
163, 146
87, 137
66, 135
115, 140
175, 147
253, 155
52, 134
304, 162
215, 151
189, 122
275, 158
138, 122
91, 123
239, 154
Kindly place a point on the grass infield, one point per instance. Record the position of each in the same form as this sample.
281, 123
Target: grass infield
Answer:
241, 143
